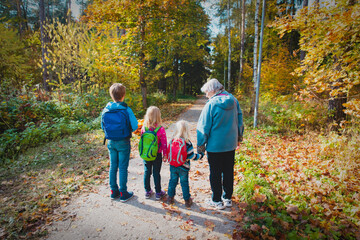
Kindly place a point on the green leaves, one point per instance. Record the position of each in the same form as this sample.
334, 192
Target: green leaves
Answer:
146, 36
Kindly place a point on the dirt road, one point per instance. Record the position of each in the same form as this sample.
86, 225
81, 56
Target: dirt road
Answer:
95, 215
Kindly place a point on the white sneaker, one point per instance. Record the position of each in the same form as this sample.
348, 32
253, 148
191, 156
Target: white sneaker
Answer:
227, 202
215, 205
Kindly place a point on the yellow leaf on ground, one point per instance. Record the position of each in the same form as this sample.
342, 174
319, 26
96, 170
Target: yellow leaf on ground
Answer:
68, 180
209, 225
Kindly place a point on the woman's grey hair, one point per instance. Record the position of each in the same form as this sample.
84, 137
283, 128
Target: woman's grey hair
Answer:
212, 85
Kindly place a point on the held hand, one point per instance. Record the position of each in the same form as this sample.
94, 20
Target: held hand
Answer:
238, 145
201, 149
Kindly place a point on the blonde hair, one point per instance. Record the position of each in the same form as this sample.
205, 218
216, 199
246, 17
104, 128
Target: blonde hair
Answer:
182, 130
117, 91
152, 117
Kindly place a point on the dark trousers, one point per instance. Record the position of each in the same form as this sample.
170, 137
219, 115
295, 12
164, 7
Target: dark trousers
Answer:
221, 174
153, 167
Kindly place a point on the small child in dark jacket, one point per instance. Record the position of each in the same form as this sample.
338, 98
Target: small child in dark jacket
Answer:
182, 172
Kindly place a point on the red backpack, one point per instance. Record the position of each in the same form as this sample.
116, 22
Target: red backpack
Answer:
177, 152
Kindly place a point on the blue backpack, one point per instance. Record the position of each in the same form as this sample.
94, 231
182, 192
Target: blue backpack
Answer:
116, 124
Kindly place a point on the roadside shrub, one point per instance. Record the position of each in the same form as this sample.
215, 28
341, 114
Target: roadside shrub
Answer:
252, 187
26, 121
156, 99
287, 114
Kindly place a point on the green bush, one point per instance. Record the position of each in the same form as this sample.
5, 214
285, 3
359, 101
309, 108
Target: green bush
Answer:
157, 99
287, 114
27, 122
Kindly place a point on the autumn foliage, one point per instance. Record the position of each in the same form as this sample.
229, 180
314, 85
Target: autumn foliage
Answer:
292, 186
329, 37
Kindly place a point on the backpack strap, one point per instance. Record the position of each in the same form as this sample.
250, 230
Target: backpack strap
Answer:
181, 146
157, 129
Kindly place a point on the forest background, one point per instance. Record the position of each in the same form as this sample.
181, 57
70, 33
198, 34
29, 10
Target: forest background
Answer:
55, 71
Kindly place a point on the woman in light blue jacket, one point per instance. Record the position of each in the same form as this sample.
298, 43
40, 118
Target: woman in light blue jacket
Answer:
219, 132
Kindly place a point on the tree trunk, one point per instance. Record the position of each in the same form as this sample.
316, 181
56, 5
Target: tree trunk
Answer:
176, 74
142, 62
19, 15
336, 107
242, 35
336, 110
69, 12
24, 11
229, 40
259, 64
43, 44
184, 85
292, 8
224, 73
255, 54
302, 53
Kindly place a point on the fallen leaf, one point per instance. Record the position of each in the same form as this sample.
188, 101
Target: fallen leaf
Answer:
260, 197
187, 226
243, 205
209, 225
68, 180
255, 227
292, 209
202, 209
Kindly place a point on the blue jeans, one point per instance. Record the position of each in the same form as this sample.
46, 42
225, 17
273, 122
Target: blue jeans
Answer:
175, 174
119, 152
153, 167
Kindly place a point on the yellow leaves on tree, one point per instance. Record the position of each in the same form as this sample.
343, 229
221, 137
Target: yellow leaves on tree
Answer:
330, 37
276, 73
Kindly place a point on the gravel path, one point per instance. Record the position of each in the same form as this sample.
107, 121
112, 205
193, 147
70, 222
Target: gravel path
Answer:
96, 216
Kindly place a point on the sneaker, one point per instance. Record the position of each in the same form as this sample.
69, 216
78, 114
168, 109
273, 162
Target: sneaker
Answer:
148, 194
188, 203
126, 196
227, 202
171, 200
160, 195
115, 194
215, 205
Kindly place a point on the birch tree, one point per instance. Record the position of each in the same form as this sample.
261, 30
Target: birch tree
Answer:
229, 45
256, 33
259, 64
242, 36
